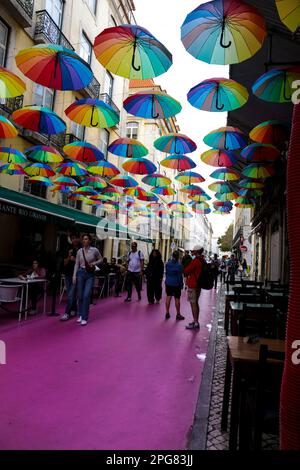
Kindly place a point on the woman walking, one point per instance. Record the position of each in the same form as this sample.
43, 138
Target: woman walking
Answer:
84, 274
174, 284
154, 274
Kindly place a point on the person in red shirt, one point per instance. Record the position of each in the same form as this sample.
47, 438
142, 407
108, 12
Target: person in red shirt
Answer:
193, 271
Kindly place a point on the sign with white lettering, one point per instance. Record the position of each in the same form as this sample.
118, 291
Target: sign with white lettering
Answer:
7, 208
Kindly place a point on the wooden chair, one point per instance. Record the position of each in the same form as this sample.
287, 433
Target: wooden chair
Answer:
258, 321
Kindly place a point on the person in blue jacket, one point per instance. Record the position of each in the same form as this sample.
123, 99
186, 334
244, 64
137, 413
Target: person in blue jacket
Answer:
174, 284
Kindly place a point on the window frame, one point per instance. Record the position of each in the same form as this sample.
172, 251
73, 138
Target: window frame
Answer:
45, 90
111, 83
107, 133
5, 48
85, 36
131, 136
94, 11
59, 25
27, 188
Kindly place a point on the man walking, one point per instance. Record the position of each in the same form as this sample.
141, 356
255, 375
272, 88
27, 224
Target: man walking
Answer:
193, 271
135, 267
68, 268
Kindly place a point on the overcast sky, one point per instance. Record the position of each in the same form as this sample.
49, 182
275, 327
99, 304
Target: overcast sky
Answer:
163, 18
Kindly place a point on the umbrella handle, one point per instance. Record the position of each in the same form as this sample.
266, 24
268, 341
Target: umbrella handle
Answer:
222, 44
219, 106
284, 87
138, 68
175, 149
92, 116
219, 164
154, 116
225, 146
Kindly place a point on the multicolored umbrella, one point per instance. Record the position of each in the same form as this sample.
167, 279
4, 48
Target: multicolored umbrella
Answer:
223, 32
199, 197
189, 177
227, 138
289, 13
192, 189
11, 155
257, 153
177, 206
258, 171
156, 179
175, 143
152, 105
220, 187
71, 169
223, 204
135, 192
132, 52
39, 119
276, 85
223, 197
243, 200
250, 193
226, 174
201, 211
39, 169
124, 181
93, 113
218, 95
40, 180
178, 162
95, 182
251, 184
245, 206
54, 66
200, 206
7, 129
65, 181
103, 168
12, 169
149, 197
164, 191
129, 148
62, 189
270, 132
86, 191
44, 154
10, 84
83, 152
219, 158
139, 166
221, 212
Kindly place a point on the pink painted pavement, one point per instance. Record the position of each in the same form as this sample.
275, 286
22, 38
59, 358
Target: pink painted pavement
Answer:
128, 380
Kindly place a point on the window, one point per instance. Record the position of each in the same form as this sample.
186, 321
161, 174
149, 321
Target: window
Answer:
108, 84
43, 96
85, 48
70, 202
92, 5
132, 130
104, 139
3, 42
94, 210
77, 130
55, 10
36, 189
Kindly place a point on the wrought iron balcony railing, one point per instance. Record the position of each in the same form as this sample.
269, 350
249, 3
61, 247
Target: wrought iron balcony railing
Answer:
57, 140
46, 30
27, 6
107, 99
21, 10
93, 89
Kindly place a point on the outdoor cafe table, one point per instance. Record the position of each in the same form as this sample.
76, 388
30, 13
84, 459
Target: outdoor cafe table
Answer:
231, 296
240, 356
25, 283
235, 308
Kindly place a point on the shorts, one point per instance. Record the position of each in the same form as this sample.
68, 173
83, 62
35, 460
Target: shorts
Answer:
193, 295
173, 291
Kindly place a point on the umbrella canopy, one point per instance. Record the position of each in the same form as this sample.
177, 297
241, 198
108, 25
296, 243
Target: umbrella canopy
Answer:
83, 152
189, 177
219, 158
192, 189
11, 155
156, 179
95, 182
7, 129
103, 168
149, 197
245, 206
289, 12
201, 211
260, 153
65, 181
164, 191
178, 162
258, 171
129, 148
39, 119
220, 187
222, 211
226, 174
44, 154
175, 143
12, 169
54, 66
132, 52
202, 197
250, 193
85, 191
124, 181
39, 169
251, 184
270, 132
41, 180
71, 169
61, 189
223, 204
152, 105
200, 206
93, 113
276, 85
218, 95
139, 166
223, 32
177, 206
243, 200
227, 138
224, 197
10, 84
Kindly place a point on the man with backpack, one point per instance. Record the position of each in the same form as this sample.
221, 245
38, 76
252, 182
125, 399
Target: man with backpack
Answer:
193, 271
135, 267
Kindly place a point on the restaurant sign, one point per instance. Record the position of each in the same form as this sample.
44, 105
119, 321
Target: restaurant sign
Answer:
20, 211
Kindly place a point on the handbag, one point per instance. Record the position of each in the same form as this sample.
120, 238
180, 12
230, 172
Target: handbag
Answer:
88, 267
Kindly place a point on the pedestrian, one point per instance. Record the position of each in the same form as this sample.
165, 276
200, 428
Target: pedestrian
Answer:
193, 271
214, 266
35, 289
154, 273
135, 268
245, 267
186, 259
87, 258
174, 284
68, 269
231, 268
223, 269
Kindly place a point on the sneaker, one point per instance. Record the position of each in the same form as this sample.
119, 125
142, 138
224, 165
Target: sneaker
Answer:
79, 319
128, 299
179, 317
65, 317
193, 326
168, 316
83, 322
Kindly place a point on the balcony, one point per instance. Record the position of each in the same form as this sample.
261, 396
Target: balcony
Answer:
9, 105
107, 99
58, 140
47, 31
93, 89
20, 10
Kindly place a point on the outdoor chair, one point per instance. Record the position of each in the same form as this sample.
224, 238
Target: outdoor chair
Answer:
10, 294
258, 321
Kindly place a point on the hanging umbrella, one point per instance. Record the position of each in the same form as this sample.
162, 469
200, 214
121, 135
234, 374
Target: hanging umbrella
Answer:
226, 174
149, 197
245, 206
177, 206
7, 129
10, 84
251, 184
192, 189
12, 169
201, 211
289, 13
178, 162
124, 181
54, 66
164, 191
39, 169
93, 113
41, 180
219, 158
175, 143
231, 196
43, 154
200, 205
257, 153
156, 179
152, 105
65, 181
71, 169
276, 85
258, 171
11, 155
250, 193
270, 132
189, 177
218, 95
221, 187
139, 166
95, 182
83, 152
39, 119
85, 191
130, 148
202, 197
132, 52
223, 32
221, 212
103, 168
156, 207
243, 200
61, 189
223, 204
227, 138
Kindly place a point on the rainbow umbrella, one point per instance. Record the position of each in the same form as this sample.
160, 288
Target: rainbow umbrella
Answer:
200, 205
124, 181
139, 166
39, 169
221, 212
156, 179
220, 187
43, 154
7, 129
113, 192
39, 119
257, 171
132, 52
83, 152
201, 197
164, 191
62, 189
191, 189
201, 211
152, 105
188, 177
178, 162
95, 182
130, 148
65, 181
177, 206
289, 13
11, 155
54, 66
251, 184
103, 168
149, 197
218, 95
276, 85
243, 200
71, 169
12, 169
223, 197
77, 197
225, 174
270, 132
223, 32
250, 193
219, 158
223, 204
156, 207
245, 206
175, 143
40, 179
10, 84
227, 138
183, 215
260, 153
93, 113
101, 197
85, 191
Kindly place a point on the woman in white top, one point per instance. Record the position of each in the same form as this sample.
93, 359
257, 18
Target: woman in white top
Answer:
84, 273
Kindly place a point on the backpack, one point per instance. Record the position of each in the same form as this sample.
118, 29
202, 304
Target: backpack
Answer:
139, 253
206, 278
